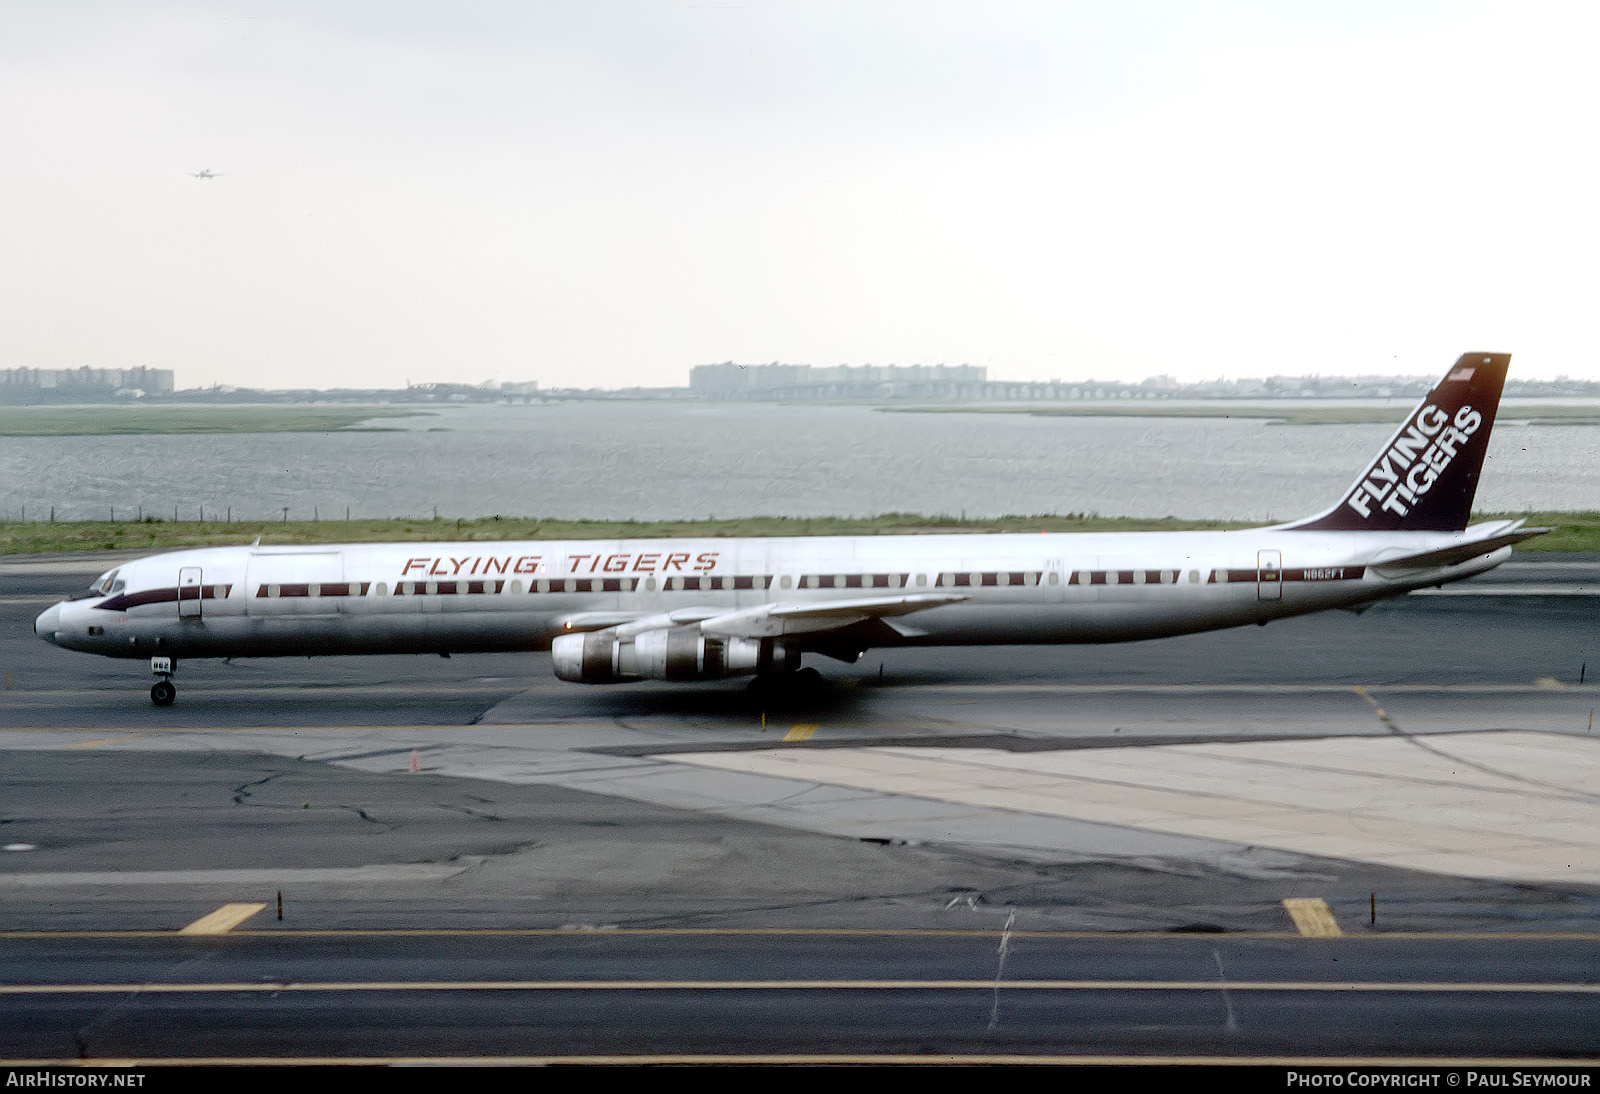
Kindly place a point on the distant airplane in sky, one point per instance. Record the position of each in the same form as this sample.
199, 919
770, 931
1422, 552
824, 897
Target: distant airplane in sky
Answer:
680, 609
204, 173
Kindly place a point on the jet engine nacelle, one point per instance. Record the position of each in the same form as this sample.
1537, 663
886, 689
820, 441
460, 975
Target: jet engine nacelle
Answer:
667, 653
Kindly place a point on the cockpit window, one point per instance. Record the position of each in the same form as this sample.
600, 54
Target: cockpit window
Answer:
103, 586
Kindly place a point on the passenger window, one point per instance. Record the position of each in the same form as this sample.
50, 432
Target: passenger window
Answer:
922, 579
649, 584
381, 590
785, 581
516, 586
1194, 577
1055, 578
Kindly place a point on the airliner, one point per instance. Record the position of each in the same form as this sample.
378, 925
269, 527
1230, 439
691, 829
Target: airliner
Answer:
709, 609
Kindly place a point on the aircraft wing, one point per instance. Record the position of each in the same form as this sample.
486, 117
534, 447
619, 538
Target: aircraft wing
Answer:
599, 621
775, 620
763, 620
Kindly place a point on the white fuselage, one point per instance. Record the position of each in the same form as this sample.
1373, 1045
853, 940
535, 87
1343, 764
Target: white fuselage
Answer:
488, 596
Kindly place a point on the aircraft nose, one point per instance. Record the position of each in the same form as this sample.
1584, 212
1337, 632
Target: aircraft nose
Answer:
48, 623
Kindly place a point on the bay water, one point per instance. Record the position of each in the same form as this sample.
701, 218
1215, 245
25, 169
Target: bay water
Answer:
674, 460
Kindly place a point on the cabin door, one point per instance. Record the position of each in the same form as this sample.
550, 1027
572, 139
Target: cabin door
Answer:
189, 592
1269, 575
1055, 579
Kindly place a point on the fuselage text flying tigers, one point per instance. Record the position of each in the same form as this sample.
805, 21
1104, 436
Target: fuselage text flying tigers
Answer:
711, 609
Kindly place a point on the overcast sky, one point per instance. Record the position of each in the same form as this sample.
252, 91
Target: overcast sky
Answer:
607, 193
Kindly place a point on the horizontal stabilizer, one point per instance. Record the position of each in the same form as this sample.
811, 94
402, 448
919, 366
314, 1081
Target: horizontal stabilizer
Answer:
1457, 553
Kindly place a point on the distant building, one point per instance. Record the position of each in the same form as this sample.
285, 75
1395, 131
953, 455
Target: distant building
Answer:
77, 385
778, 381
519, 391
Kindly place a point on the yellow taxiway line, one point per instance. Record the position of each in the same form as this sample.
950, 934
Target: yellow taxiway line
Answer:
1481, 987
1208, 938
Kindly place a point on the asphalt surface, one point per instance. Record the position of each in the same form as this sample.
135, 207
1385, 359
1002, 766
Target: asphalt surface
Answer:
891, 995
387, 795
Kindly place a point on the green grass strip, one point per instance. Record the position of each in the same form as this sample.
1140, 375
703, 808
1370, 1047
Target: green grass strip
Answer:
1573, 531
92, 421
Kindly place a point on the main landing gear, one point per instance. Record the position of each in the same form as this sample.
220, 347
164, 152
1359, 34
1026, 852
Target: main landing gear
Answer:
795, 685
164, 691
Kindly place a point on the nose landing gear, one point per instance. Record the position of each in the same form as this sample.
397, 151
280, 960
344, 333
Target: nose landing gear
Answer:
164, 691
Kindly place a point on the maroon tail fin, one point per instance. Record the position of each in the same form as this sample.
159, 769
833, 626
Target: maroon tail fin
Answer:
1424, 478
